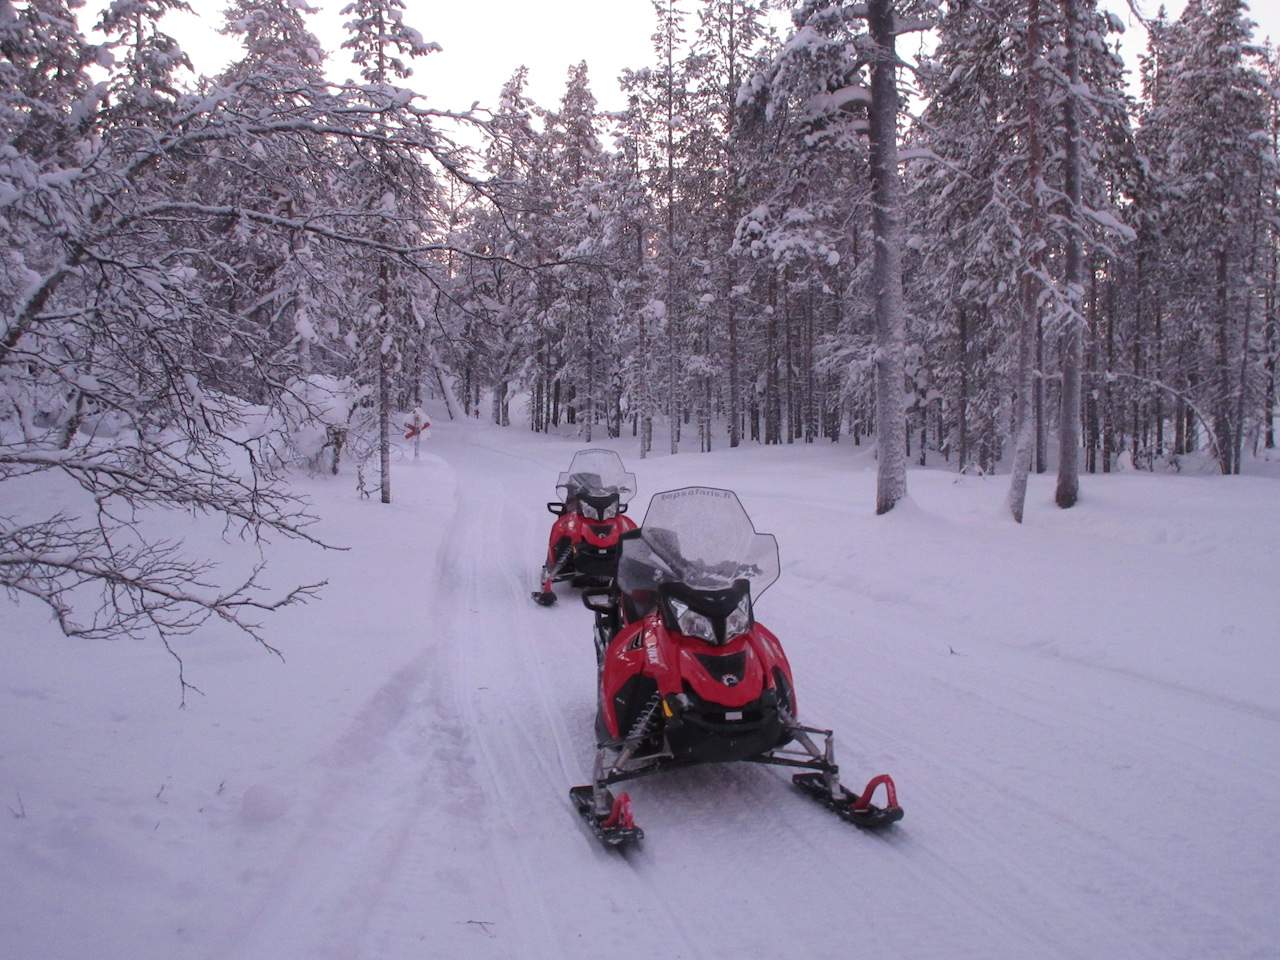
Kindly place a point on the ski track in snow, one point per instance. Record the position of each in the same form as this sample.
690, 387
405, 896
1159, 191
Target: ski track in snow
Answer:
1066, 797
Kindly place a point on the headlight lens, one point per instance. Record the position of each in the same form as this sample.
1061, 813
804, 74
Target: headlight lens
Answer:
739, 621
589, 511
692, 623
610, 511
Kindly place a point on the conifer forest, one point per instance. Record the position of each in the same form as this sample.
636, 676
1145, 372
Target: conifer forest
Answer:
952, 324
990, 249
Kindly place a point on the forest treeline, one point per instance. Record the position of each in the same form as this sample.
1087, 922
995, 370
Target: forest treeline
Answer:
205, 279
724, 239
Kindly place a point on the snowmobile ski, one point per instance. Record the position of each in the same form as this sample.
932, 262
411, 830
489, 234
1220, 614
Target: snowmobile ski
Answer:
858, 810
617, 828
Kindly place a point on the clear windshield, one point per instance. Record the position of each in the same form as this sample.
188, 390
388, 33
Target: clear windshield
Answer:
597, 472
701, 537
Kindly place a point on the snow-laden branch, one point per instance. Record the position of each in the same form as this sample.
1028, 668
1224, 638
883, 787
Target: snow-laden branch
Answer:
143, 589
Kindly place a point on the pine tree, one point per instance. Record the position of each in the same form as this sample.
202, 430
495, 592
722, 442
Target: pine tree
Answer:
829, 37
1215, 95
380, 44
726, 51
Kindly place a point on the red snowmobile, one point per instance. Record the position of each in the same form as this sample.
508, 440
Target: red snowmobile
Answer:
583, 546
686, 673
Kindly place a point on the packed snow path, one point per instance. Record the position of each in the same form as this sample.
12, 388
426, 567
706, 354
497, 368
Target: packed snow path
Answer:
1081, 715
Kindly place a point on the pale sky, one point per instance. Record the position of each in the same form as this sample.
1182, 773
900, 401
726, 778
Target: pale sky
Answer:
484, 43
1265, 13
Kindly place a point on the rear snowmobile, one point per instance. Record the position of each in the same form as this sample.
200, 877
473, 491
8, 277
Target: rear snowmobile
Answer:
583, 546
688, 676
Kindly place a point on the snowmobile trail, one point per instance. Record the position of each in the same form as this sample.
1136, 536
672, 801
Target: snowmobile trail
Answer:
1051, 795
524, 685
368, 796
538, 666
514, 718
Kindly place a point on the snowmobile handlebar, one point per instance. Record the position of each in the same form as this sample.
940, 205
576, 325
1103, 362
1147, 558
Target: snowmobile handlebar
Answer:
558, 508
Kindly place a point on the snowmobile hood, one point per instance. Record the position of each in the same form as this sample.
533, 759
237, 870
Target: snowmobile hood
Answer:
731, 675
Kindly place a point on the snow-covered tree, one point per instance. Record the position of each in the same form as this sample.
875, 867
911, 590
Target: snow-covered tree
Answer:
392, 184
164, 240
839, 62
1211, 146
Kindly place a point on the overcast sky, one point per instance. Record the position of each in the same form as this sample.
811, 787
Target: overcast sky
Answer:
485, 41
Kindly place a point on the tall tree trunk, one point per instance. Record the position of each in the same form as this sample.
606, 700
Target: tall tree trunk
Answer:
1242, 386
1273, 276
1269, 401
704, 415
1093, 432
772, 401
1037, 397
589, 420
962, 405
672, 380
1023, 431
1221, 419
1108, 407
384, 385
643, 395
789, 365
1068, 488
735, 206
384, 426
1141, 411
1180, 421
735, 399
810, 401
1159, 360
886, 189
1023, 425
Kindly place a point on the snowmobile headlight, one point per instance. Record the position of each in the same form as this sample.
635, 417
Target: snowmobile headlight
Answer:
589, 512
691, 623
610, 511
739, 621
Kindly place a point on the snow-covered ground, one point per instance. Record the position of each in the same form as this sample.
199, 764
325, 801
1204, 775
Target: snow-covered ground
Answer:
1082, 715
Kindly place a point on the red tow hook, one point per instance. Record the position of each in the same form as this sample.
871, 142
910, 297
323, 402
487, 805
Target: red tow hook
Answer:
864, 799
620, 815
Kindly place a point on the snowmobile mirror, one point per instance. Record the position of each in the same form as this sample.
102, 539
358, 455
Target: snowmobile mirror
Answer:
555, 507
622, 508
598, 601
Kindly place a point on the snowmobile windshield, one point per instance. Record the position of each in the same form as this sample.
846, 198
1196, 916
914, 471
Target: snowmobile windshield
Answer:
700, 537
597, 473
